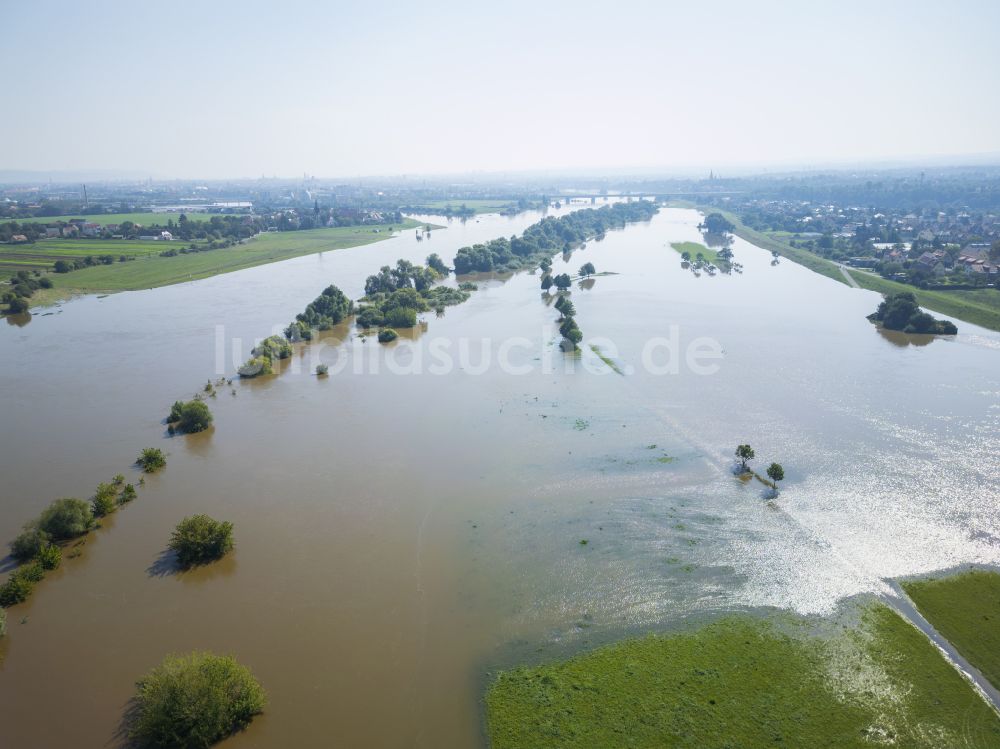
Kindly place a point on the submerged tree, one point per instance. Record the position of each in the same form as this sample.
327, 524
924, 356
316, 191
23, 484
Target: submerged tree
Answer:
193, 416
587, 269
901, 312
199, 539
151, 459
194, 701
745, 454
716, 223
435, 263
776, 473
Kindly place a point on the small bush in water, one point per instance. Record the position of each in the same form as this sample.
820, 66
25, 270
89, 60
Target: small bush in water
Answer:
151, 459
105, 500
199, 539
193, 701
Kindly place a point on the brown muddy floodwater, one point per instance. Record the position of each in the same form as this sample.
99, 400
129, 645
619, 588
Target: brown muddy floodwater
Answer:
402, 533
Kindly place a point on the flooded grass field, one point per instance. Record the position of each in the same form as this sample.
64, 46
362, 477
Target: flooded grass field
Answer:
402, 534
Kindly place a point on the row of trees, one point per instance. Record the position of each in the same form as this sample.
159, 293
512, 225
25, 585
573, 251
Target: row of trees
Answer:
22, 286
568, 328
210, 227
550, 235
38, 548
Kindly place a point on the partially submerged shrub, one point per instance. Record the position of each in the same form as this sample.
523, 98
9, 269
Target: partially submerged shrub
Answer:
256, 366
298, 331
401, 317
387, 334
127, 495
33, 572
370, 316
105, 500
50, 557
15, 590
151, 459
193, 416
261, 361
274, 347
29, 544
322, 370
3, 622
20, 584
192, 701
66, 518
199, 539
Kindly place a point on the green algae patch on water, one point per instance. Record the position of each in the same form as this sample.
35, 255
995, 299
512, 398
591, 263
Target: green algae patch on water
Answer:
746, 682
965, 609
608, 361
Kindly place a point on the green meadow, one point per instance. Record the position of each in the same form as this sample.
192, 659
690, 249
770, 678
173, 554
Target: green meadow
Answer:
695, 248
746, 682
148, 269
965, 609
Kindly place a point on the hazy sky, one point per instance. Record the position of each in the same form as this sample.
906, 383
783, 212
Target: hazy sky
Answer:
241, 89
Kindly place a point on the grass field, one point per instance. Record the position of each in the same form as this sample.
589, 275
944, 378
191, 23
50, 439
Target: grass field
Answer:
694, 248
744, 682
965, 609
146, 219
977, 306
42, 255
149, 270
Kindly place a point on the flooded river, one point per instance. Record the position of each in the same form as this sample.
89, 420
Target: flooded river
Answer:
402, 533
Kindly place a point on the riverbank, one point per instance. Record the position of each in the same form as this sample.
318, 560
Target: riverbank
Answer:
744, 681
154, 270
977, 306
964, 609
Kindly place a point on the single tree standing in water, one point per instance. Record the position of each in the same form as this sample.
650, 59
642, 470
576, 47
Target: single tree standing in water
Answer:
776, 473
745, 454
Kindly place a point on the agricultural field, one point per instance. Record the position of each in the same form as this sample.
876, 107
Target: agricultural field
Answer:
42, 255
149, 269
145, 219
